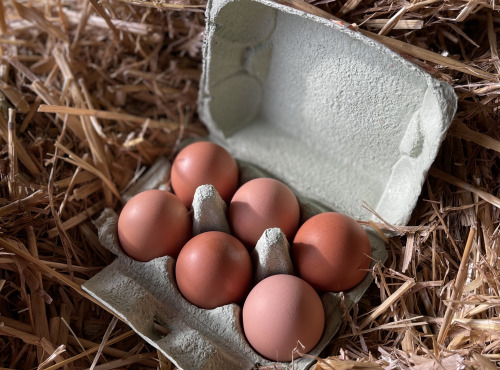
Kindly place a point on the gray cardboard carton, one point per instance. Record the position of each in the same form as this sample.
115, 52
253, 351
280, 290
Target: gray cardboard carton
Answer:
338, 117
144, 294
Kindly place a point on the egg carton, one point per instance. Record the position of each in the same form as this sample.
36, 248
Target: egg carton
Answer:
146, 297
336, 116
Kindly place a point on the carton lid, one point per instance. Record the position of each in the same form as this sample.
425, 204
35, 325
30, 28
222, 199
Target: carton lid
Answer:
337, 116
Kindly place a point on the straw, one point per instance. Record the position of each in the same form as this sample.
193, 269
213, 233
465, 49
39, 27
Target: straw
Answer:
93, 92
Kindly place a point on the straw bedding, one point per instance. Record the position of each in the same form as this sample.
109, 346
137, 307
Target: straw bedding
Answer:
91, 92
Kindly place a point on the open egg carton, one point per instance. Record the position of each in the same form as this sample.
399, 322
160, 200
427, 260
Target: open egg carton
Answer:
145, 295
339, 118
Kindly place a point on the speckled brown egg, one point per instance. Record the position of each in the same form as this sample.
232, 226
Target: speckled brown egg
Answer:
261, 204
152, 224
204, 163
213, 269
282, 313
331, 251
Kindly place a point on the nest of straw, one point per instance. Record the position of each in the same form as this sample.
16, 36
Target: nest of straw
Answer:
92, 92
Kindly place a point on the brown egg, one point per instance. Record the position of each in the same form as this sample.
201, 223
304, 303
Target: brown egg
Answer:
213, 269
280, 312
152, 224
331, 251
261, 204
204, 163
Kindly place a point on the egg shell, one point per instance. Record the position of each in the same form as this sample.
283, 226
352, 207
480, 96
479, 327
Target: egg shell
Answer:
203, 163
261, 204
282, 313
331, 251
152, 224
213, 269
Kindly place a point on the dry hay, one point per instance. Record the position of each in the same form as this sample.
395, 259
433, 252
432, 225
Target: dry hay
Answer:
93, 91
